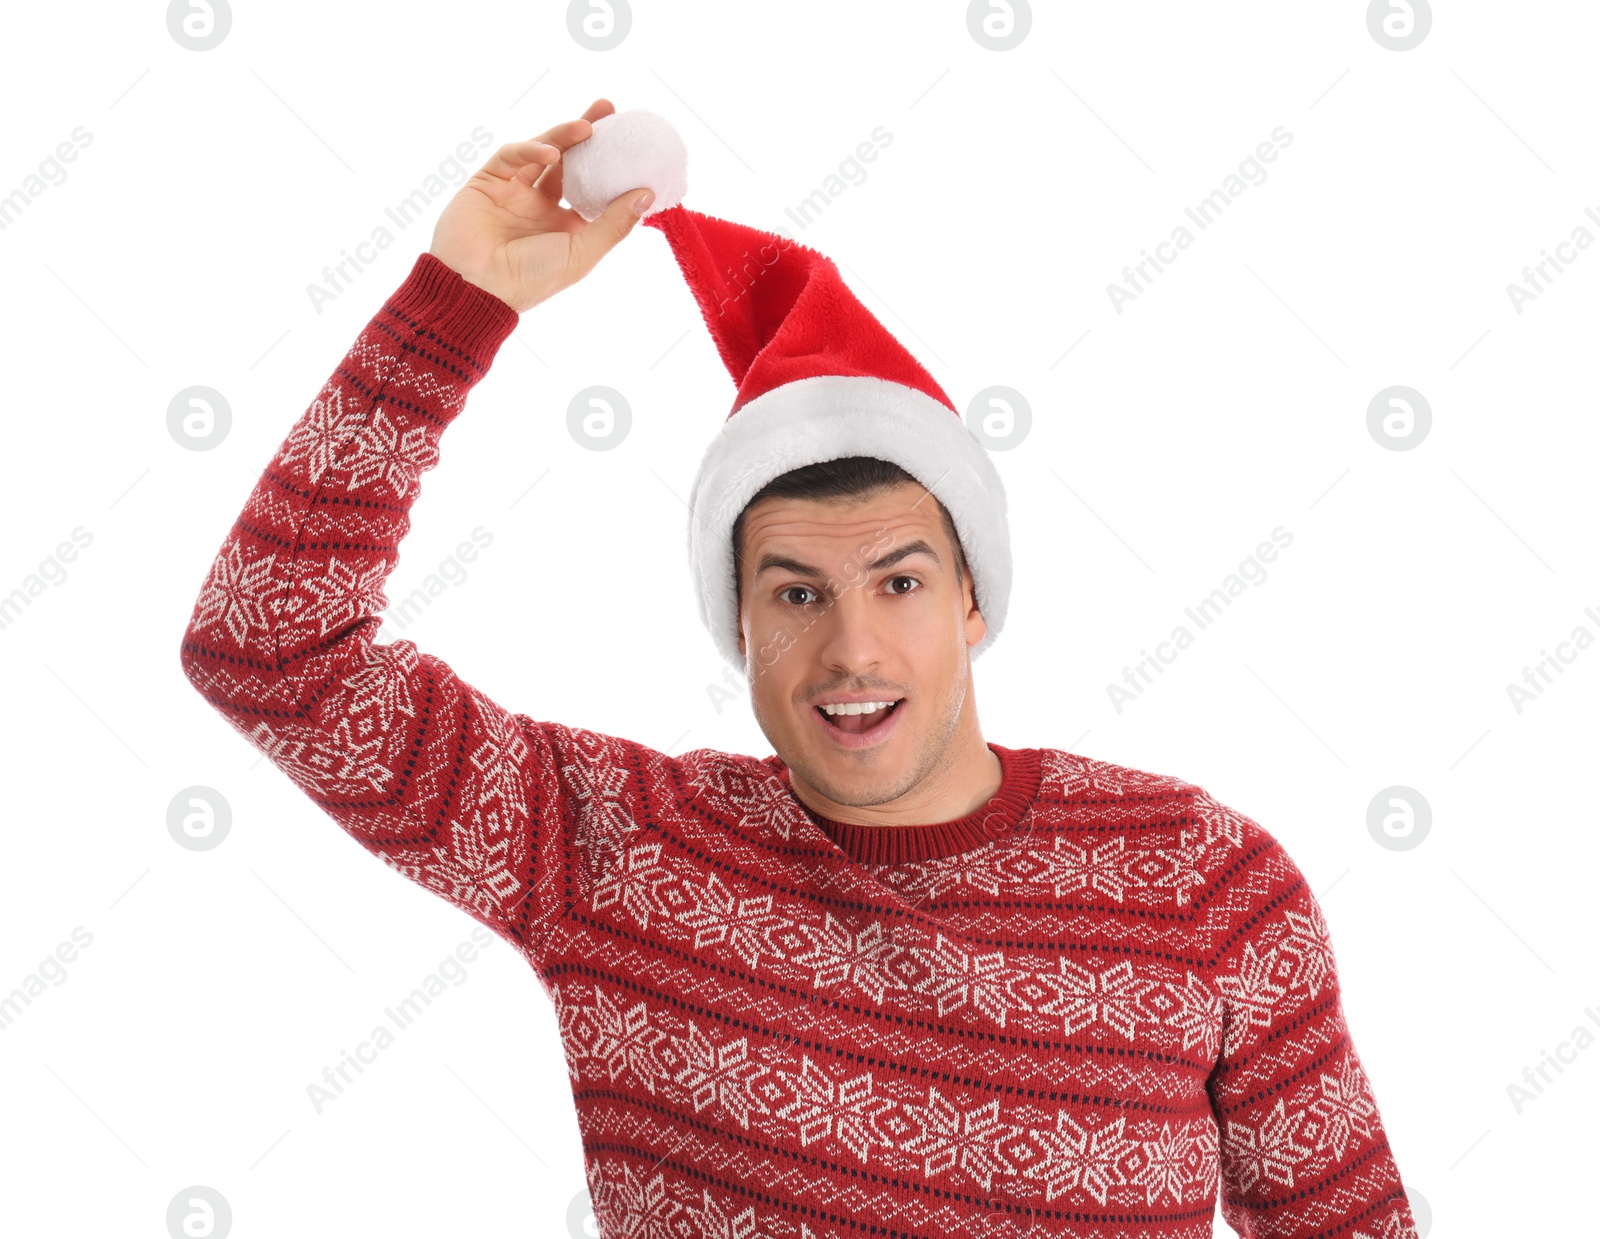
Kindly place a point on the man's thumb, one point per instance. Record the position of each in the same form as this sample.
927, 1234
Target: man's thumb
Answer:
607, 229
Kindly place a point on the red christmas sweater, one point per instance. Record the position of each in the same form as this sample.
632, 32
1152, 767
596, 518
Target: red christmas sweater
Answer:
1087, 1009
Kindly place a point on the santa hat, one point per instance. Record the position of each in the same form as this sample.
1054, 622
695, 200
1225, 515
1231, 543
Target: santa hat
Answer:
818, 376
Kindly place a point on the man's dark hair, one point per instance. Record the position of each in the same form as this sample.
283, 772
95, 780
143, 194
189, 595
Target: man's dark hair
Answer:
848, 477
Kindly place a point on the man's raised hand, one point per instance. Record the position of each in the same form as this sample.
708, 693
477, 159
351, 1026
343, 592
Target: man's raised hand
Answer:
507, 232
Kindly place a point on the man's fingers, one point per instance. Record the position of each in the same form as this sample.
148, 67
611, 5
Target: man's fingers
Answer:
567, 133
526, 159
549, 183
544, 149
603, 233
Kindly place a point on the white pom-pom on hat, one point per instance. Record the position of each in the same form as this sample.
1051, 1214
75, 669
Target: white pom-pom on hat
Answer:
626, 150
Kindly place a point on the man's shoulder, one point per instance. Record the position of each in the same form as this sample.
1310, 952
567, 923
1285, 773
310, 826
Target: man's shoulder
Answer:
602, 764
1079, 778
1084, 792
1126, 828
751, 785
722, 763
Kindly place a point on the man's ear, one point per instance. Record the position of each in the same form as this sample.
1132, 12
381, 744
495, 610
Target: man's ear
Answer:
977, 626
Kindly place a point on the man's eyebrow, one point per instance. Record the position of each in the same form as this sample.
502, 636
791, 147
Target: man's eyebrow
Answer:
917, 546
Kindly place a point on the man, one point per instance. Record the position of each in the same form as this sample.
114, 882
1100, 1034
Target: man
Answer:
892, 980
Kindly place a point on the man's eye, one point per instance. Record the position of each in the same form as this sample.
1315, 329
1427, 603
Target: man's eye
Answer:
804, 589
912, 579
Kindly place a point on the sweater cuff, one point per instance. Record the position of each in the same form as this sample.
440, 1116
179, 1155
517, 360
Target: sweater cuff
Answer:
436, 300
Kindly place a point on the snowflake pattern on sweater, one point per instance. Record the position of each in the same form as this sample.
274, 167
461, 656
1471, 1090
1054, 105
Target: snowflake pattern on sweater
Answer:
1093, 1008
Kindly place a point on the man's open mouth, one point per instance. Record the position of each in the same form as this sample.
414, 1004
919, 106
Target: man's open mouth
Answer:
860, 717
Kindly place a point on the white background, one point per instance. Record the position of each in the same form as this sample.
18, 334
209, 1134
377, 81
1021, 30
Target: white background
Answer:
1228, 399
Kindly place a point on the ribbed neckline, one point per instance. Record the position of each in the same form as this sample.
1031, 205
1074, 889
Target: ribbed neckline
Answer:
887, 845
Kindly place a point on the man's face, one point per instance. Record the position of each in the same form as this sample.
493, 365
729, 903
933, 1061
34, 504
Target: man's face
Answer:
838, 604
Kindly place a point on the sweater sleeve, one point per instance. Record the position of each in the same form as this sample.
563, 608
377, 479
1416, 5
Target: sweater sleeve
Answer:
425, 771
1303, 1149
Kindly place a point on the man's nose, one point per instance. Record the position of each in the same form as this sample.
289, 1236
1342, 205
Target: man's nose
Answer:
854, 636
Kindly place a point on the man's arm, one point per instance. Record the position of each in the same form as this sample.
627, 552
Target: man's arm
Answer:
420, 767
1303, 1148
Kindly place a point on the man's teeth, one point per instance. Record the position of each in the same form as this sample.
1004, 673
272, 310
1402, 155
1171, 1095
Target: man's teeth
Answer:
855, 707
